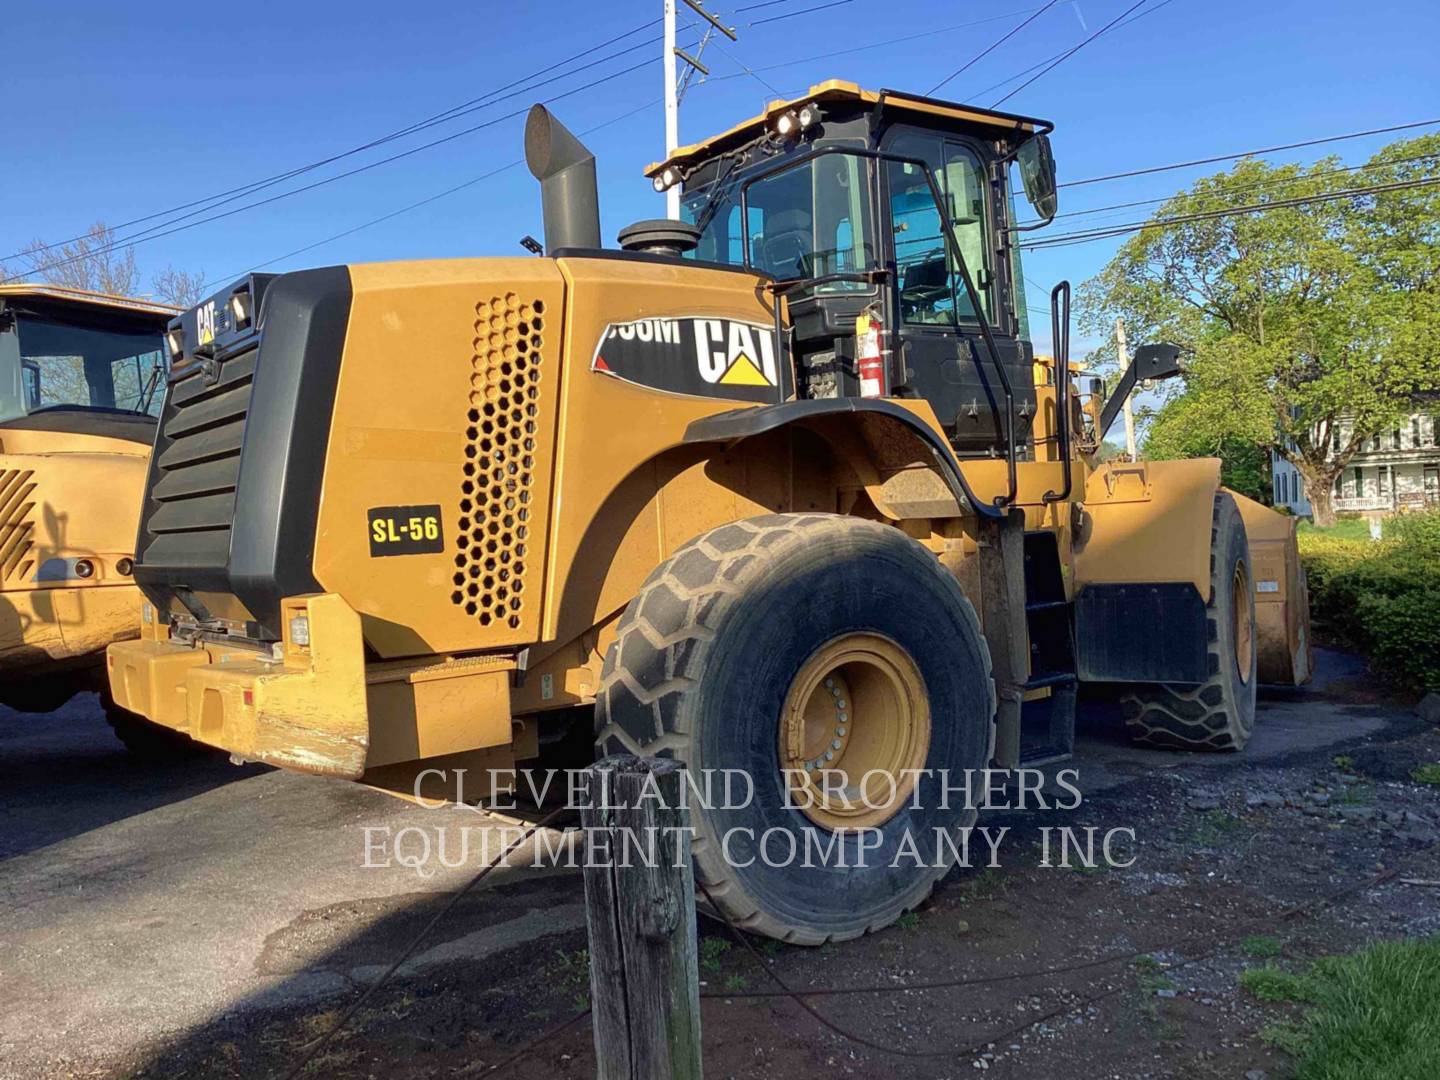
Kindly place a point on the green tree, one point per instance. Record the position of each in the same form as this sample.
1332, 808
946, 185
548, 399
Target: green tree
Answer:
1311, 325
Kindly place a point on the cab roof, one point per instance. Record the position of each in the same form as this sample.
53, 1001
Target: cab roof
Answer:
838, 91
106, 302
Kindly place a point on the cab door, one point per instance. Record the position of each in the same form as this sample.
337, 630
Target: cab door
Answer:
944, 351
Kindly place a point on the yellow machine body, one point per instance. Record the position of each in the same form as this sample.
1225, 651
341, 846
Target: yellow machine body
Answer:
72, 478
491, 497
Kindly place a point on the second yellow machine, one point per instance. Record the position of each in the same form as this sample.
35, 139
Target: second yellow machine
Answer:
773, 489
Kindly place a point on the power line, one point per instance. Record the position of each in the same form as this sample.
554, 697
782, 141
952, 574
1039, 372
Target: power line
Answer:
869, 47
463, 108
140, 238
1085, 237
1244, 187
220, 198
992, 47
418, 203
1036, 67
1249, 153
1068, 53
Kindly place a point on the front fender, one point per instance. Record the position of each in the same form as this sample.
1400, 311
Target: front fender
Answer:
892, 436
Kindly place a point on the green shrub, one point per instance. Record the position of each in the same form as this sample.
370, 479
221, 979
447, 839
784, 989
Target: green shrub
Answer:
1381, 597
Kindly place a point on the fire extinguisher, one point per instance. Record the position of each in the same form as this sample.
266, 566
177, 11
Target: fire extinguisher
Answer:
869, 354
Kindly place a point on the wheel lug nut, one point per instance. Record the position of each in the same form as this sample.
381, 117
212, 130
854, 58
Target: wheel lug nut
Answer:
829, 755
835, 745
840, 730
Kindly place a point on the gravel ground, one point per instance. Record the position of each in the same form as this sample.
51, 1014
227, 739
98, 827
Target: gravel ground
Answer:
210, 921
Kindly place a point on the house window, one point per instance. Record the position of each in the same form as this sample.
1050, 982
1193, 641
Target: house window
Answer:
1395, 439
1358, 481
1415, 432
1375, 442
1340, 486
1335, 441
1382, 480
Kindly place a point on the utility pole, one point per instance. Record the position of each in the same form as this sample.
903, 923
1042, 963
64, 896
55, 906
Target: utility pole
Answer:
1126, 409
672, 108
673, 88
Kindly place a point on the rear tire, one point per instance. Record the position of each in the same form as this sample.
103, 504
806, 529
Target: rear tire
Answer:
1218, 714
710, 657
149, 741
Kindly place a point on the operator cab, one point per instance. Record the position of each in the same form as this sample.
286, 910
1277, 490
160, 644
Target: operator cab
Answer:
80, 362
886, 221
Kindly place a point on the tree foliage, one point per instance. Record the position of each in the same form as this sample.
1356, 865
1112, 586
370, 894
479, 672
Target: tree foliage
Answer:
100, 262
1297, 316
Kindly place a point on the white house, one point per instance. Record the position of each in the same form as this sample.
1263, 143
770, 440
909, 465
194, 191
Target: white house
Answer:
1397, 469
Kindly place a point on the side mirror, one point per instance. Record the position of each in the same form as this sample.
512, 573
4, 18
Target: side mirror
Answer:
1037, 173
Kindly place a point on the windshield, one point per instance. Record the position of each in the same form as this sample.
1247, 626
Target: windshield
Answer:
807, 221
84, 366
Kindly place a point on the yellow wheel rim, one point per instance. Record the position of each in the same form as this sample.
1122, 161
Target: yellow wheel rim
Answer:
854, 731
1244, 624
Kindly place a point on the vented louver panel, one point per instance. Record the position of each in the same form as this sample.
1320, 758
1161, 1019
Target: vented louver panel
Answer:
17, 487
507, 383
197, 464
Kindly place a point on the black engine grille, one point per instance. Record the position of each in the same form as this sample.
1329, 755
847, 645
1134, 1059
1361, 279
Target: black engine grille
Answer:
197, 463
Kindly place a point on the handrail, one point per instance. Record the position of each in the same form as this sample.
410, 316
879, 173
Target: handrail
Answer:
1060, 341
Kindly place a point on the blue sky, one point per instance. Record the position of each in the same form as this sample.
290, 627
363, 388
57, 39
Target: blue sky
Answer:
115, 111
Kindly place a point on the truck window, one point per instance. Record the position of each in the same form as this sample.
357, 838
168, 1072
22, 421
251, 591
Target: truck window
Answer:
89, 367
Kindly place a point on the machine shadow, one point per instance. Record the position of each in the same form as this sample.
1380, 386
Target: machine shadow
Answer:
64, 773
476, 979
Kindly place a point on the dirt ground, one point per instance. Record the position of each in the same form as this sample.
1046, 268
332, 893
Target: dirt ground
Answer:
1226, 849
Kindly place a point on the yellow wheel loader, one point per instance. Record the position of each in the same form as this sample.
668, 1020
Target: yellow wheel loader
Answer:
774, 488
81, 377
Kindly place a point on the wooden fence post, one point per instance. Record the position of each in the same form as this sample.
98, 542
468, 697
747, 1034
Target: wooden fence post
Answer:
640, 913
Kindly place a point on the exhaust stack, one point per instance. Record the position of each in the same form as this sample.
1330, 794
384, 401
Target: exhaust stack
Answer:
566, 171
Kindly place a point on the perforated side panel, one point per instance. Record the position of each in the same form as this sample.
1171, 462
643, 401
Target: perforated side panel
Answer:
508, 383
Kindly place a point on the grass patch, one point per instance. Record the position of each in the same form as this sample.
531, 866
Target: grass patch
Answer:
712, 952
1345, 529
1260, 947
1344, 762
1151, 983
573, 973
734, 984
1145, 963
1426, 774
1273, 984
909, 921
1214, 828
1373, 1015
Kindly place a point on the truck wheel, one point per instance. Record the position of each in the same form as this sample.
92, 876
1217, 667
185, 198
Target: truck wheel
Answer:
1219, 714
146, 740
839, 651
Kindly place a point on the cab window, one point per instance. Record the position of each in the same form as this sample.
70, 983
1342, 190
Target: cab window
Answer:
807, 221
932, 291
89, 367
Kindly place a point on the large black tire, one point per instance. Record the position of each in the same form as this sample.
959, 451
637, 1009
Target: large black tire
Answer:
1218, 714
148, 741
705, 657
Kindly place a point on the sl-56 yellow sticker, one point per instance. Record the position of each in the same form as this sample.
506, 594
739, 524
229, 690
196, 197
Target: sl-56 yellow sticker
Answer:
405, 530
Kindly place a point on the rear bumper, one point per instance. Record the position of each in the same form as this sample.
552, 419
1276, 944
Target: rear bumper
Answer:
318, 708
39, 627
305, 711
